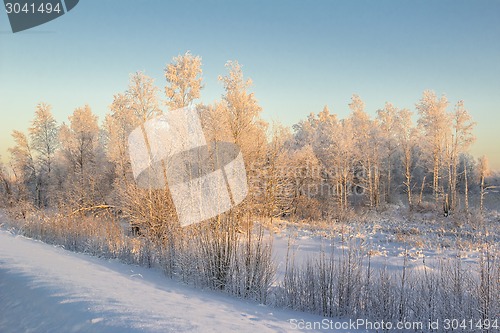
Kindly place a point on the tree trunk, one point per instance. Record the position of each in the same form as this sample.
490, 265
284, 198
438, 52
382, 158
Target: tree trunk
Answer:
466, 188
422, 190
481, 202
408, 186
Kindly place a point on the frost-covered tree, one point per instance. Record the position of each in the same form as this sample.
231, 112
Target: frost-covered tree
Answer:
5, 185
278, 182
461, 138
335, 146
434, 120
327, 147
183, 77
118, 125
128, 111
149, 210
240, 112
215, 122
367, 169
408, 138
142, 97
24, 167
80, 147
388, 122
305, 131
304, 170
44, 135
483, 172
45, 141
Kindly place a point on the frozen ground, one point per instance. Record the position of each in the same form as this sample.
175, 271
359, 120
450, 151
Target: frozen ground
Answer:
48, 289
45, 288
392, 239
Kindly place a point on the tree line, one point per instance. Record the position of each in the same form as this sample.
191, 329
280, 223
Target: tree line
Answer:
320, 168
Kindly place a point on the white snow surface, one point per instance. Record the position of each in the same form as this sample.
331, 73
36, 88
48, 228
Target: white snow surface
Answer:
44, 288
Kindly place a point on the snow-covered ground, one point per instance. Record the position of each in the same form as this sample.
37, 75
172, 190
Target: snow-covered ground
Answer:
389, 238
44, 288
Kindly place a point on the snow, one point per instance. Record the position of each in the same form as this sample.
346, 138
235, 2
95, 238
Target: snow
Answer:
45, 288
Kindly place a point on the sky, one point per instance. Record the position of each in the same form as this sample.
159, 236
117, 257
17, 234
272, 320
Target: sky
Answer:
300, 55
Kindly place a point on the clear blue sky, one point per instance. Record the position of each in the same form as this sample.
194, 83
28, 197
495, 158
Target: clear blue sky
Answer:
301, 55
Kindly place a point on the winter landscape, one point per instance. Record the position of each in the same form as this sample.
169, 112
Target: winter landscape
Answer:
161, 204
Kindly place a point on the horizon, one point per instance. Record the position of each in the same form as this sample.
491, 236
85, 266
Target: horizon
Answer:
299, 56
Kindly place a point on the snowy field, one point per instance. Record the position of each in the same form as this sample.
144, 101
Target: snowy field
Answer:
48, 289
45, 288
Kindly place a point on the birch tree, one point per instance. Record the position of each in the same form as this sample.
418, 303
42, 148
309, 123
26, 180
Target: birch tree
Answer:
483, 171
6, 188
278, 186
80, 142
434, 120
183, 77
129, 110
388, 120
305, 131
328, 147
44, 138
408, 138
461, 139
150, 211
367, 169
118, 125
215, 122
242, 116
24, 167
242, 111
142, 97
